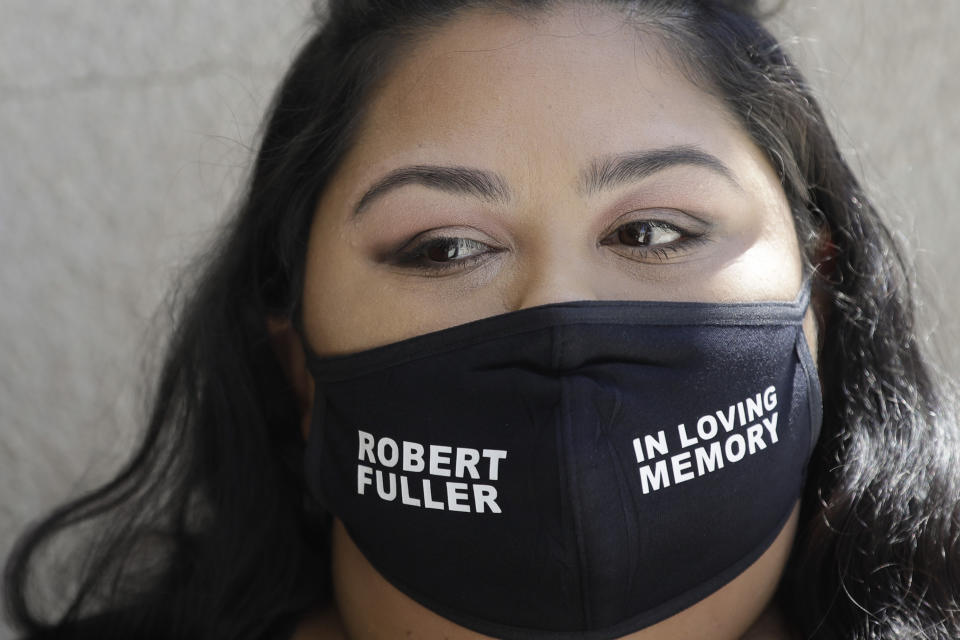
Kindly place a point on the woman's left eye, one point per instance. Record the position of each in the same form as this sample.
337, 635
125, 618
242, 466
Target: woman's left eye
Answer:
440, 254
650, 238
645, 233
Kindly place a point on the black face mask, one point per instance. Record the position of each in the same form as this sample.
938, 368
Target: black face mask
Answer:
576, 470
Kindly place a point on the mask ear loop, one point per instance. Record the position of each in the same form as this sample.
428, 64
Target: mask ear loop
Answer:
296, 321
802, 301
314, 504
808, 364
318, 518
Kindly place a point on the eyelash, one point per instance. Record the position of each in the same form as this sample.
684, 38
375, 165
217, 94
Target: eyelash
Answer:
413, 255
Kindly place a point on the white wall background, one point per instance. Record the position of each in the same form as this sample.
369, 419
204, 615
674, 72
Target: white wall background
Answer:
125, 126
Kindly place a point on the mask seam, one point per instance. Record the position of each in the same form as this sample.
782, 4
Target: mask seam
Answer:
572, 483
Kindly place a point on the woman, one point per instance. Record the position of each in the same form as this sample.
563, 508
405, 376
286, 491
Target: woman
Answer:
539, 319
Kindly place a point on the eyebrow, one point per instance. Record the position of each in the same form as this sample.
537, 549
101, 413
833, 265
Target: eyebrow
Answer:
600, 174
613, 171
458, 180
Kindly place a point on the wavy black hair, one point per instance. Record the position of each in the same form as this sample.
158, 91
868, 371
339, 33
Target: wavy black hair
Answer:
207, 532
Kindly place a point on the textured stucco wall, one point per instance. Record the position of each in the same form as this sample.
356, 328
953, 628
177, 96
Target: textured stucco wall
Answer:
124, 127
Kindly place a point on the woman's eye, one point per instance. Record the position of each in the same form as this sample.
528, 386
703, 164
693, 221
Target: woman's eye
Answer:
437, 254
646, 234
643, 239
450, 249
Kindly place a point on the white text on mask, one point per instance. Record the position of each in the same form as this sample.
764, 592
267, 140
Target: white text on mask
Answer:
429, 462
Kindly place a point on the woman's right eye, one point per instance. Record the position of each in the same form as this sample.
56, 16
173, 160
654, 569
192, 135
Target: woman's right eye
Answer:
441, 254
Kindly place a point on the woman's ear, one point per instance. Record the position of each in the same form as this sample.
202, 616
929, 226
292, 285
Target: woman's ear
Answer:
288, 348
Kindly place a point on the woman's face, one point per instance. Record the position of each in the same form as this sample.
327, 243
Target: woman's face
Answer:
508, 163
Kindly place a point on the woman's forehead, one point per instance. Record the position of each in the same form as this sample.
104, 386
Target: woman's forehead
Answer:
535, 98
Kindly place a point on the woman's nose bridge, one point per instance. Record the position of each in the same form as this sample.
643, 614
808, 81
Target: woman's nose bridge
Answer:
557, 276
557, 251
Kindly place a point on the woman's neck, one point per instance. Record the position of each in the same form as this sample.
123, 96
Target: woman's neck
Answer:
327, 625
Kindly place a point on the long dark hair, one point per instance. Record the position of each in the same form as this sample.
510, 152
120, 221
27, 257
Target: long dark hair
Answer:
207, 531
